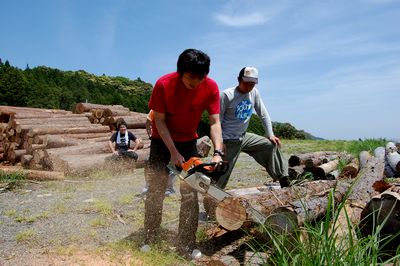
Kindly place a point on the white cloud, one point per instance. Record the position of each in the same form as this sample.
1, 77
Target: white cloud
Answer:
252, 19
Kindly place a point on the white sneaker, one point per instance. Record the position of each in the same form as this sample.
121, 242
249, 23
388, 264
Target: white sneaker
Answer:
196, 254
145, 248
144, 190
169, 192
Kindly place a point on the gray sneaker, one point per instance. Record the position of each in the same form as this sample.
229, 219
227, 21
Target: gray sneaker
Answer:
169, 192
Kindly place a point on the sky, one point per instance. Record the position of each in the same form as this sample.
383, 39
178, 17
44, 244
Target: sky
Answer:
331, 68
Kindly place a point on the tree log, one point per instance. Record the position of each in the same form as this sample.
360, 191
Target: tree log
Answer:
350, 170
365, 158
58, 141
80, 164
393, 159
86, 107
69, 130
299, 159
361, 193
381, 214
263, 199
321, 171
34, 174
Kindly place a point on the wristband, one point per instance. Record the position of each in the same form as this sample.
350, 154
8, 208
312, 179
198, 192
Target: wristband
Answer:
219, 152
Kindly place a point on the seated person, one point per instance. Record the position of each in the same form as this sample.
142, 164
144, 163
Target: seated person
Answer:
122, 139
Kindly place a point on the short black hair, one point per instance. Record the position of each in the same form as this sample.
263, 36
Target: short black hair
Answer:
241, 74
120, 122
194, 61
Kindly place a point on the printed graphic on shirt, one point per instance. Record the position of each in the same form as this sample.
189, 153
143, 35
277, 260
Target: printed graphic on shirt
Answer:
244, 110
123, 142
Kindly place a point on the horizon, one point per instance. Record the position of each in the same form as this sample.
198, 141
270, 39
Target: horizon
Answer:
328, 68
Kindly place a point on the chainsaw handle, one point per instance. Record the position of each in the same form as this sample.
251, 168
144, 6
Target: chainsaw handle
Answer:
202, 166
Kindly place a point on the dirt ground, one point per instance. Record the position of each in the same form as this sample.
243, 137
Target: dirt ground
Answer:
71, 222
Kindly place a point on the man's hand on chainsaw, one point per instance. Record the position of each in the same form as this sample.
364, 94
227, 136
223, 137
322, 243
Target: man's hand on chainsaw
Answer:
177, 159
216, 158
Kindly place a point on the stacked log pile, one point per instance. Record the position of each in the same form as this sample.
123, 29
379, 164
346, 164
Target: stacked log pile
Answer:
109, 115
59, 140
356, 185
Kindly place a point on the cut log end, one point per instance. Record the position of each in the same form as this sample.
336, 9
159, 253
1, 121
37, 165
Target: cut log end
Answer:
382, 213
230, 214
283, 220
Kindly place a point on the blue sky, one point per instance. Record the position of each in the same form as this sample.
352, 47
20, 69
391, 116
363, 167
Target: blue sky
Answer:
331, 68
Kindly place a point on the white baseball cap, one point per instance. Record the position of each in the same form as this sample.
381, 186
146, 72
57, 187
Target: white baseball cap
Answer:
250, 74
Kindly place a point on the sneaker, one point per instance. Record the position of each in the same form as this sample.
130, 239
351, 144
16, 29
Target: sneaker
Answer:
284, 181
169, 192
144, 190
145, 248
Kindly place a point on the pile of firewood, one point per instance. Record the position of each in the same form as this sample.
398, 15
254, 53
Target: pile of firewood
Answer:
369, 202
59, 140
109, 115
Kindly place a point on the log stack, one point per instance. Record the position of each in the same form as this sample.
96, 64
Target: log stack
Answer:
59, 140
355, 188
109, 115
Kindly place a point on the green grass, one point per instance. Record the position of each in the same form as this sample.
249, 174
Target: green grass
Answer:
12, 179
126, 199
158, 255
351, 146
98, 223
320, 244
103, 207
27, 236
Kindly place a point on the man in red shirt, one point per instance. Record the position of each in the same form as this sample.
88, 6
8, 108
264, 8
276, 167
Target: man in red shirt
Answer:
178, 101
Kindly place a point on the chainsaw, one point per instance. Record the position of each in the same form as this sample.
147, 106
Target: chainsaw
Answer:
203, 176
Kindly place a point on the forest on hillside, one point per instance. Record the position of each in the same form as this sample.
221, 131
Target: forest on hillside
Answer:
45, 87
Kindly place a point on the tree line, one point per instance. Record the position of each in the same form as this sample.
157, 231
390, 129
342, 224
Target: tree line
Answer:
45, 87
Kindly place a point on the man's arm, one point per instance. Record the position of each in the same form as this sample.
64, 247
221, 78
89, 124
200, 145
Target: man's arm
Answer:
216, 135
111, 145
263, 114
137, 144
176, 157
148, 127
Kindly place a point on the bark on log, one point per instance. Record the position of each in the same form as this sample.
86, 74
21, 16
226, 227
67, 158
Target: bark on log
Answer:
34, 174
52, 120
263, 199
299, 159
365, 157
381, 214
86, 107
350, 170
321, 171
361, 193
17, 109
58, 141
393, 159
80, 164
72, 130
82, 135
290, 217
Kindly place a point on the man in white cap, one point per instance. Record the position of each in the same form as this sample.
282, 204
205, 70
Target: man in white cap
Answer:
237, 106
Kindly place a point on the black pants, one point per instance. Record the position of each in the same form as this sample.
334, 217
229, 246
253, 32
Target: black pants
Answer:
124, 154
157, 177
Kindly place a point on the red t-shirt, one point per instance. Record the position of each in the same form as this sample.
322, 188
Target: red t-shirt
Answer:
182, 106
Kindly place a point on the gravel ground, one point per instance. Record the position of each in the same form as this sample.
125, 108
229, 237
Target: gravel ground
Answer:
41, 222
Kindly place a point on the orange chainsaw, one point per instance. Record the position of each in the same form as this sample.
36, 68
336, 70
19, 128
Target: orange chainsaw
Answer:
203, 176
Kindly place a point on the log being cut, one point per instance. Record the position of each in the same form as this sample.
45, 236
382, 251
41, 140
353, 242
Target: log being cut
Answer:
232, 212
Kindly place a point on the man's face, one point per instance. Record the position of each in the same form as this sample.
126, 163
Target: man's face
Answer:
191, 81
122, 129
246, 87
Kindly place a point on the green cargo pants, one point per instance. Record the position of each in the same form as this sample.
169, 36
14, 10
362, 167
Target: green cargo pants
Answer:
261, 149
